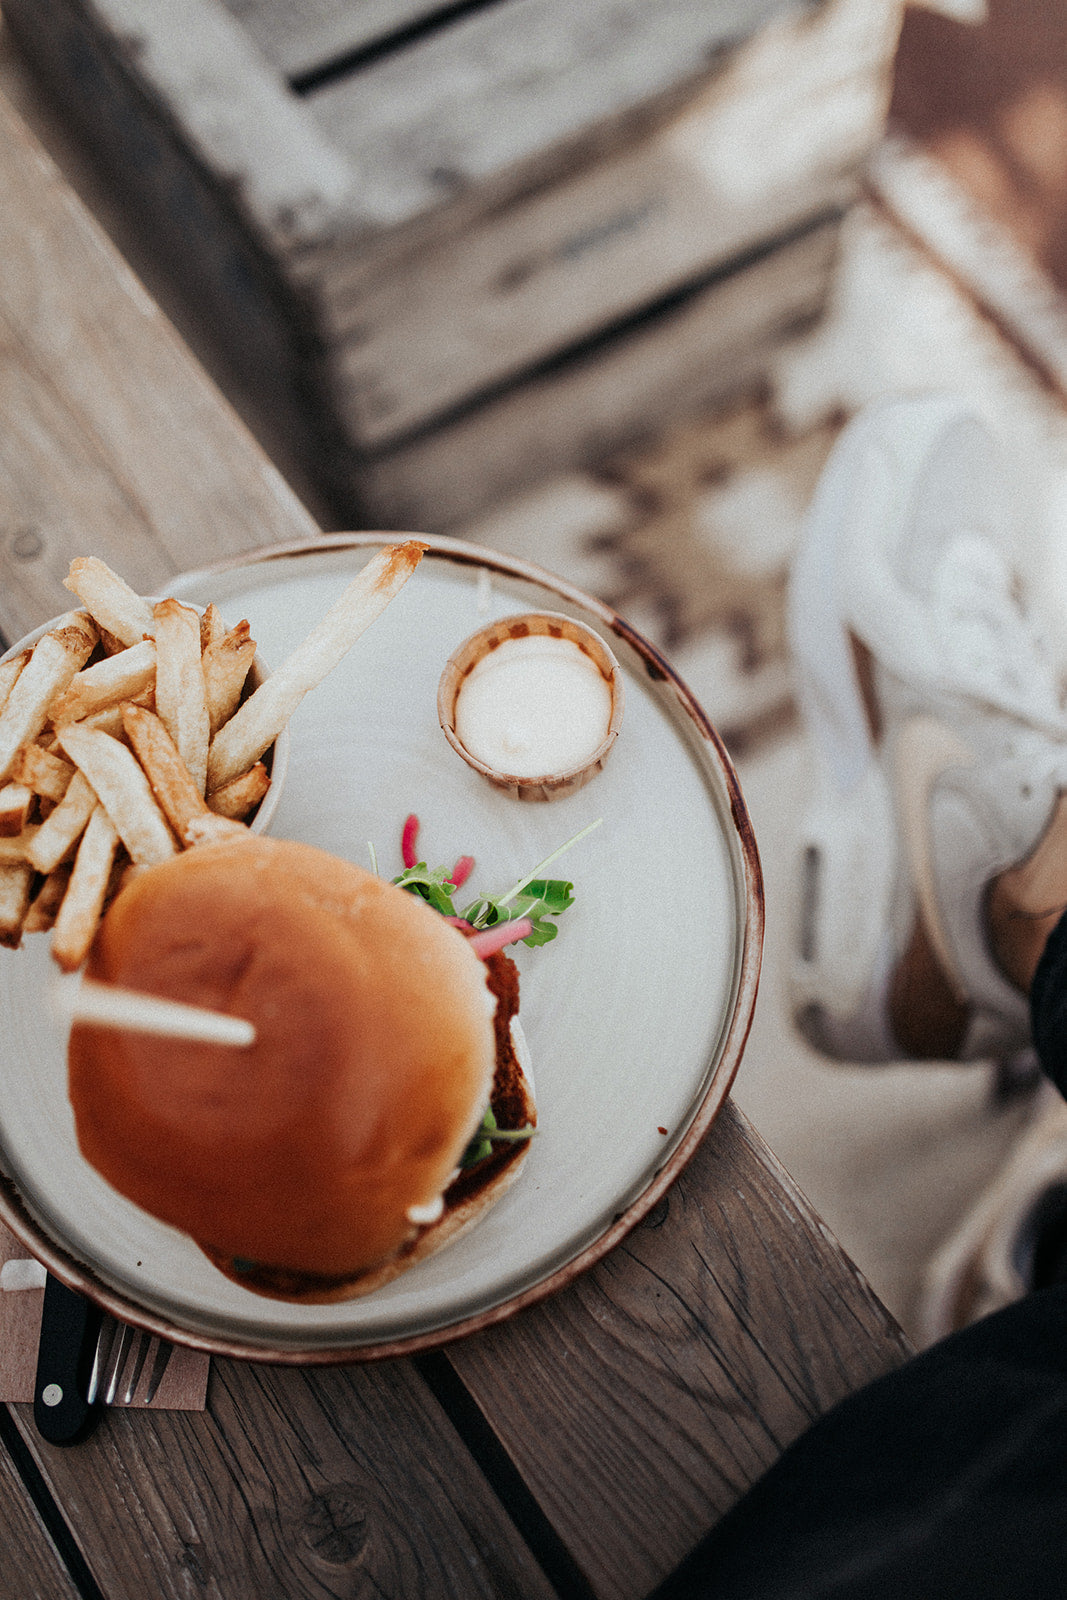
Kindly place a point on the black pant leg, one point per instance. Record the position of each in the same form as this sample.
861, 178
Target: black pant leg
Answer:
944, 1480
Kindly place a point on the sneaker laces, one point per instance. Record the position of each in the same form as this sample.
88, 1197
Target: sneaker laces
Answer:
988, 651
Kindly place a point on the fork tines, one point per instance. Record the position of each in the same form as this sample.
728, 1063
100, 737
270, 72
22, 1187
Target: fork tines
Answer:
119, 1361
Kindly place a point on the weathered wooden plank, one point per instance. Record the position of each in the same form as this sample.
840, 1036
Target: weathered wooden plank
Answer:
458, 209
298, 36
101, 486
514, 82
203, 71
692, 1356
307, 1484
698, 351
29, 1565
489, 265
114, 441
196, 64
528, 281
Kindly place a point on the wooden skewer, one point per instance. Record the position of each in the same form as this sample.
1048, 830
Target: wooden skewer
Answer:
107, 1006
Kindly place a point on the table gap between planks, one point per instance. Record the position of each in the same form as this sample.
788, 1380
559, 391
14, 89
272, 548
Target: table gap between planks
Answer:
580, 1449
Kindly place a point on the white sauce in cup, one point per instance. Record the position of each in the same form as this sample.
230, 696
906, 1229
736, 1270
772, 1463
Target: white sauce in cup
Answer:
533, 706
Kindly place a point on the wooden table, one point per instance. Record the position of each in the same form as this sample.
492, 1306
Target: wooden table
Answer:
580, 1449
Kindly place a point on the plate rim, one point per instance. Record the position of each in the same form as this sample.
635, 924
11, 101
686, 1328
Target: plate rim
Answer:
79, 1276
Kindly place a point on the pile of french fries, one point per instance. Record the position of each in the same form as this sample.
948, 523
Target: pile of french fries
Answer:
126, 735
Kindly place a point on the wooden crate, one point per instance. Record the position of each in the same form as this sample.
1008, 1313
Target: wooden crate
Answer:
393, 210
693, 351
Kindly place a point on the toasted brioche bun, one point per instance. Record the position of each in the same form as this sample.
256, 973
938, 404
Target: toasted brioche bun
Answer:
467, 1198
294, 1163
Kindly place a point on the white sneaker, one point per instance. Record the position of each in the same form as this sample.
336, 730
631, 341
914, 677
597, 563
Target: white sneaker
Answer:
901, 553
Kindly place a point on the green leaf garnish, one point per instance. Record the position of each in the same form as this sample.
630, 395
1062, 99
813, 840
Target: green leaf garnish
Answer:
433, 887
488, 1134
534, 896
543, 897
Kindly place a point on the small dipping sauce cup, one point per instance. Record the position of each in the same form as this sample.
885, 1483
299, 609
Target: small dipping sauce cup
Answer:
532, 702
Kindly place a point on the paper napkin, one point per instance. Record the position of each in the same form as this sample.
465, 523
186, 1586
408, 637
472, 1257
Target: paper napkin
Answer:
184, 1385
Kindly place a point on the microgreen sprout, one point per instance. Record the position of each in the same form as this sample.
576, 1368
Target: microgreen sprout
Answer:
488, 1134
547, 862
533, 897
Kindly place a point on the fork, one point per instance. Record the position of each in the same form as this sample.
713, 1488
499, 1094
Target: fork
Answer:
123, 1351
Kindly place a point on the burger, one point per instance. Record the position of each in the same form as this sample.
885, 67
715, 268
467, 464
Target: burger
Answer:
369, 1122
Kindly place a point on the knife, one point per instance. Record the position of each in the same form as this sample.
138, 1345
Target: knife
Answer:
70, 1326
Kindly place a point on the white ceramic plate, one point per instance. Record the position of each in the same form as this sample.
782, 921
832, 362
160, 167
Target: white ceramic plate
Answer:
636, 1014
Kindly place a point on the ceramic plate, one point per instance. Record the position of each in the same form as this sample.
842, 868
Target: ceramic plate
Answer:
636, 1014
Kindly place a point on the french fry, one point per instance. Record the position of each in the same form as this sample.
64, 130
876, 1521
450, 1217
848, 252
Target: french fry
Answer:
56, 657
123, 790
78, 915
169, 777
46, 902
17, 846
15, 880
47, 774
258, 722
212, 626
109, 720
109, 644
238, 797
181, 701
110, 600
211, 829
106, 683
60, 832
15, 803
112, 761
9, 671
226, 663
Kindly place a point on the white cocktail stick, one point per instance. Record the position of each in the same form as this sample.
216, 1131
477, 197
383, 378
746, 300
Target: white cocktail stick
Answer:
107, 1006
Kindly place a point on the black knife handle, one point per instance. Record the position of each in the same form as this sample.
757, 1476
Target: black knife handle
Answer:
69, 1328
